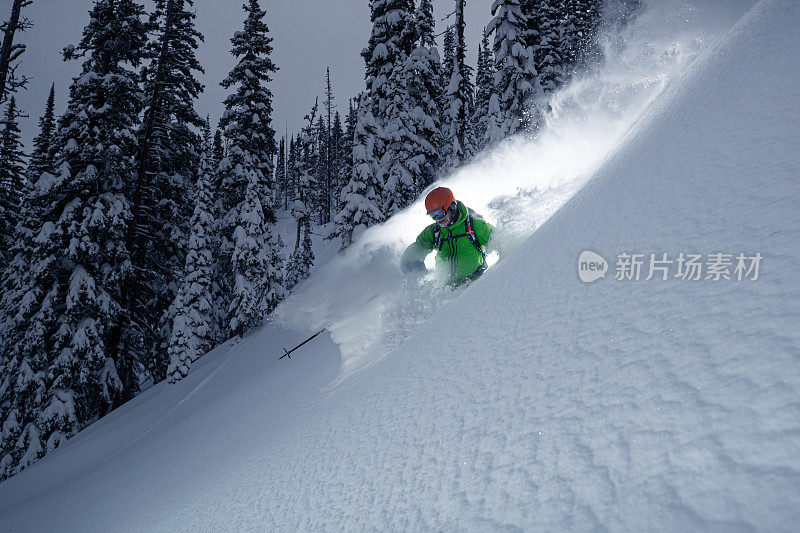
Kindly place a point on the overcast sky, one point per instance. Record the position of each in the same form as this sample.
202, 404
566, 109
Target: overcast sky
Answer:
308, 36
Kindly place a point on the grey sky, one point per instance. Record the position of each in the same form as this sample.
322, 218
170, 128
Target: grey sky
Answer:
308, 36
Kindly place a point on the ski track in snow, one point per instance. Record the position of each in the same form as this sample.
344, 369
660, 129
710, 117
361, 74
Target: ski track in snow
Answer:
559, 406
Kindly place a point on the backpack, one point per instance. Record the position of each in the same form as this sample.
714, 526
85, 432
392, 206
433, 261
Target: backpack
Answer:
438, 241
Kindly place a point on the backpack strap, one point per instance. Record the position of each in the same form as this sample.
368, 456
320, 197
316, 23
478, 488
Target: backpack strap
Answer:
437, 237
472, 237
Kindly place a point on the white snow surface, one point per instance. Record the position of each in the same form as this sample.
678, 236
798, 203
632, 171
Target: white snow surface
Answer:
528, 400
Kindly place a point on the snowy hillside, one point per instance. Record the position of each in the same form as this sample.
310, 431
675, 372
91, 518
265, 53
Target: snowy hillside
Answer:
530, 400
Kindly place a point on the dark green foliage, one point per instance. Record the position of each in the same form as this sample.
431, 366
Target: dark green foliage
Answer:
250, 263
166, 169
12, 178
63, 377
45, 149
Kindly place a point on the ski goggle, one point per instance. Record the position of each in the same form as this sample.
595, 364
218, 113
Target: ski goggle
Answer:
438, 214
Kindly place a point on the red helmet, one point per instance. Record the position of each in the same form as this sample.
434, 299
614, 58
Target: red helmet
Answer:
440, 198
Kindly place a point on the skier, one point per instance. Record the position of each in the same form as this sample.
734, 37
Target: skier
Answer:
458, 234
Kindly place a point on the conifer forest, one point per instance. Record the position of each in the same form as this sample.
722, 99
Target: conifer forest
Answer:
135, 235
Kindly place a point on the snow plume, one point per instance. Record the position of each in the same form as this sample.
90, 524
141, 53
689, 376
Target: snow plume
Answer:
362, 298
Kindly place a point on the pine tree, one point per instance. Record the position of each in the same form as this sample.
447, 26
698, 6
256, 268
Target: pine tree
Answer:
292, 171
219, 312
280, 176
192, 327
484, 89
219, 153
248, 111
361, 197
545, 39
393, 38
45, 152
64, 378
448, 60
302, 259
459, 136
257, 281
24, 364
12, 177
427, 95
248, 180
10, 52
218, 150
346, 168
351, 121
515, 80
318, 162
166, 167
412, 129
327, 155
338, 157
581, 19
305, 170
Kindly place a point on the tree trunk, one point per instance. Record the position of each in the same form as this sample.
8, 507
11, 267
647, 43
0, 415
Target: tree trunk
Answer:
8, 43
459, 60
117, 346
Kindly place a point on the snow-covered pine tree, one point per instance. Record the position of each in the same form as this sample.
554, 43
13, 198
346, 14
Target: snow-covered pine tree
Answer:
412, 128
292, 170
167, 167
219, 310
484, 89
192, 327
305, 165
351, 121
12, 177
345, 164
459, 136
361, 197
581, 20
327, 177
280, 176
337, 153
219, 154
423, 70
64, 378
24, 359
247, 121
257, 275
45, 150
448, 59
302, 259
308, 170
320, 168
392, 39
219, 146
247, 176
545, 38
515, 80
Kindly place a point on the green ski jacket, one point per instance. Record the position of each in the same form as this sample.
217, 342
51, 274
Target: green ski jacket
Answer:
457, 257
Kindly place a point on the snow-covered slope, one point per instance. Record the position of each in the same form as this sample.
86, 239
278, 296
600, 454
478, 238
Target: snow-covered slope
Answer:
556, 405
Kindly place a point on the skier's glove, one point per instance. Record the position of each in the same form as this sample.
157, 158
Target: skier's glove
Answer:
413, 266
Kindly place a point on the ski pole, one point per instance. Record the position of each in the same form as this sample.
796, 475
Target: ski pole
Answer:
312, 337
287, 353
